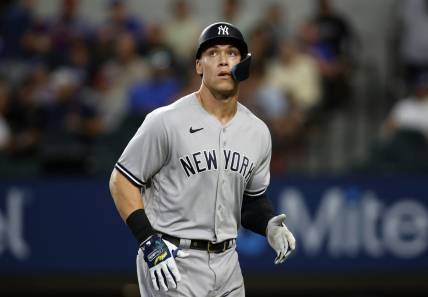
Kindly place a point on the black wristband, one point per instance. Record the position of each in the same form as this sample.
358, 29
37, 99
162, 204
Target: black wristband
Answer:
140, 225
255, 213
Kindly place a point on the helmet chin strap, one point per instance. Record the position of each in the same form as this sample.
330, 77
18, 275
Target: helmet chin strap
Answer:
241, 71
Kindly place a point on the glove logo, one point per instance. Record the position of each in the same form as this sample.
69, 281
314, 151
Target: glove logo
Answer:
223, 30
160, 258
155, 254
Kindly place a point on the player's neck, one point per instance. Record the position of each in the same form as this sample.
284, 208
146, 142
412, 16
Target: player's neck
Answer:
223, 108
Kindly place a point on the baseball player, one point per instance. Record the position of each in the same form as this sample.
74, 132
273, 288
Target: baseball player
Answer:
194, 172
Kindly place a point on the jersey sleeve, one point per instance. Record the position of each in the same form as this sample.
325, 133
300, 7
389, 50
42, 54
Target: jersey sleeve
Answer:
260, 179
146, 152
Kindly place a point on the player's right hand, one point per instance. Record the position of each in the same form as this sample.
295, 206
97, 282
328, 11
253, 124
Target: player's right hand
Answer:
160, 255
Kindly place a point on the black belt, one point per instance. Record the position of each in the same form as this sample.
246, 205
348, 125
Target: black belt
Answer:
203, 245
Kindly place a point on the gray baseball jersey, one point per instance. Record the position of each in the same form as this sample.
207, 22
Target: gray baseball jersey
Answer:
195, 171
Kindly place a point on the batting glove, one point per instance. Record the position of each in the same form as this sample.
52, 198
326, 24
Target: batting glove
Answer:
280, 238
160, 255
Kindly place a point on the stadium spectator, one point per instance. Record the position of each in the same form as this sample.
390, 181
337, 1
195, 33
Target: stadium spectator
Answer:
66, 29
296, 74
274, 23
233, 11
404, 145
25, 114
259, 43
79, 60
37, 43
411, 113
70, 125
16, 21
101, 47
123, 71
120, 20
329, 39
158, 90
334, 32
414, 38
270, 103
182, 31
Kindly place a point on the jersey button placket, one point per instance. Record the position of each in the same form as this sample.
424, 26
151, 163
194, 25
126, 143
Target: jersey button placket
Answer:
223, 184
223, 191
218, 216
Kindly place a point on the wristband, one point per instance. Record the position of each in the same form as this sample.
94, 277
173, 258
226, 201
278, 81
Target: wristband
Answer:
256, 213
140, 225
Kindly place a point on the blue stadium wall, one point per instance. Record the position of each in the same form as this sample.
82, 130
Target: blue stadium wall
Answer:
344, 226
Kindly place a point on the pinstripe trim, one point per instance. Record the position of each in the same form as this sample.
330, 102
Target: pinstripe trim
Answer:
255, 193
132, 178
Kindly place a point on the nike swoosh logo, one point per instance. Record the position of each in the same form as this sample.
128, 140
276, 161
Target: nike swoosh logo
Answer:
191, 130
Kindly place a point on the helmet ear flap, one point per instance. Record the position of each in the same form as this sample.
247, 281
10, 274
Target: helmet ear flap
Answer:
241, 71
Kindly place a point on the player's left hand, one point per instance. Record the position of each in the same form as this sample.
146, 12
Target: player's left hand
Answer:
160, 255
280, 238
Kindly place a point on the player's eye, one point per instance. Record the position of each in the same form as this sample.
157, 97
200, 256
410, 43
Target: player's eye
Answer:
212, 53
233, 53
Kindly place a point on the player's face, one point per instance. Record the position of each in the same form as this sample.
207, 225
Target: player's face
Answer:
215, 65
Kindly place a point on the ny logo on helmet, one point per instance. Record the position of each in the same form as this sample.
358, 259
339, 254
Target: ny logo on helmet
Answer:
223, 30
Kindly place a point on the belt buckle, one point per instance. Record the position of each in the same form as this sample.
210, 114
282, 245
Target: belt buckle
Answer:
210, 245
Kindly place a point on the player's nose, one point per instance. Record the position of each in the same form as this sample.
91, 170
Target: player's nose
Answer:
222, 59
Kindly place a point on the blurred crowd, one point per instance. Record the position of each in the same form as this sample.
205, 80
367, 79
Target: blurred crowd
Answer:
72, 92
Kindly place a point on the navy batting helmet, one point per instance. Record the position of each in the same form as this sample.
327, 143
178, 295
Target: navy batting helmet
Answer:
226, 33
221, 33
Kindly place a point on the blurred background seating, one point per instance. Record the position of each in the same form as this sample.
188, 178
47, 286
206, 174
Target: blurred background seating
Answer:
315, 81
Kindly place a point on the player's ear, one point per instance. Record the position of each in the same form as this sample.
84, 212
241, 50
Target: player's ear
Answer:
198, 67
